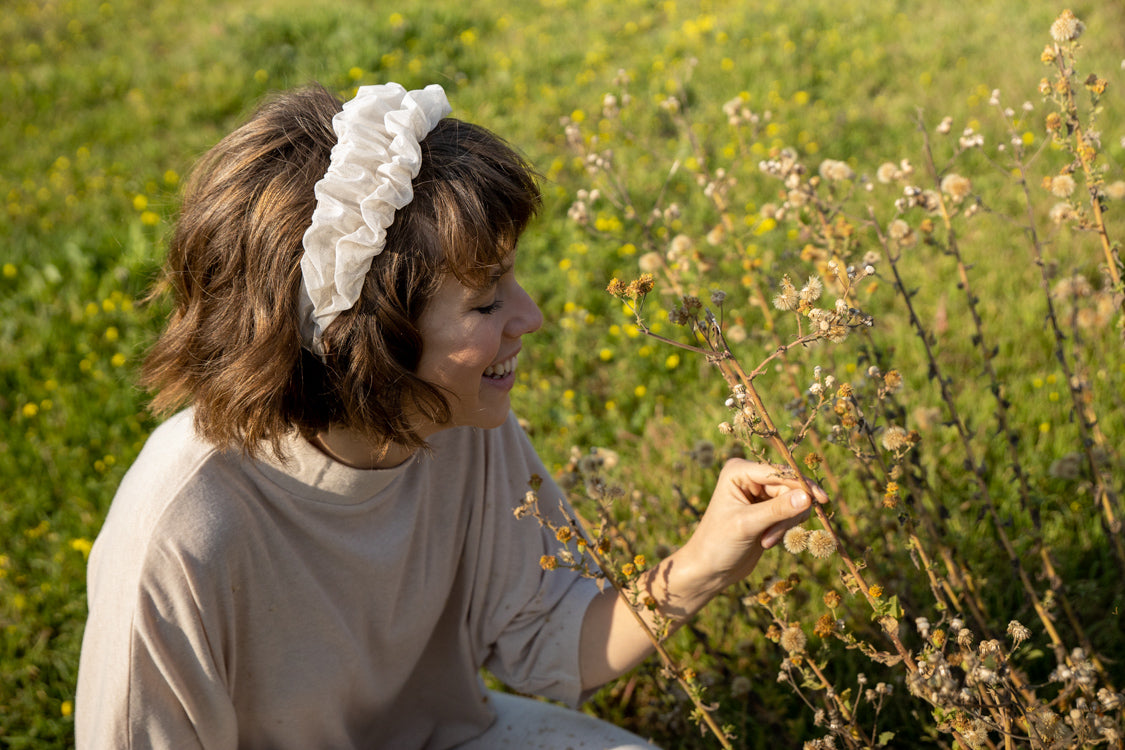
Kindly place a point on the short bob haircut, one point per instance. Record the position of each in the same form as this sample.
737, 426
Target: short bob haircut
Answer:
232, 347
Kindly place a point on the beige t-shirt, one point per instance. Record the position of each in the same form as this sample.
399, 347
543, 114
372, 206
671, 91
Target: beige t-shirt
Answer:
306, 604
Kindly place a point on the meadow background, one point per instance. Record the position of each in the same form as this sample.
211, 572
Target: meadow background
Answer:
107, 105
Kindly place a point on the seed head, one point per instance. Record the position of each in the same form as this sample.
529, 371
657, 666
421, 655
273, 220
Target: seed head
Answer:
821, 543
787, 299
812, 290
796, 539
1017, 632
793, 639
835, 171
1062, 185
895, 439
956, 186
1115, 191
900, 232
892, 380
650, 262
1062, 212
1067, 27
681, 245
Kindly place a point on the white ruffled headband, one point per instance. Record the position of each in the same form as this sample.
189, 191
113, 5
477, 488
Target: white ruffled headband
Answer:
376, 156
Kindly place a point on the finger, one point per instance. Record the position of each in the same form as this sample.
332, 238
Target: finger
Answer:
766, 480
774, 534
781, 514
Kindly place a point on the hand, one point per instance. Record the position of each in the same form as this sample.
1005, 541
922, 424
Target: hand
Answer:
752, 507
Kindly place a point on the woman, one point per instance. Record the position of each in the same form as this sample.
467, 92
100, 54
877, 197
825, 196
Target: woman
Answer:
319, 549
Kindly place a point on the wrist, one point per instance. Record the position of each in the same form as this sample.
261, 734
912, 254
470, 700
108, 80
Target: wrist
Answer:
683, 582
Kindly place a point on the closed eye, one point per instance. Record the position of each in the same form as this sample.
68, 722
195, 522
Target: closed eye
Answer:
490, 308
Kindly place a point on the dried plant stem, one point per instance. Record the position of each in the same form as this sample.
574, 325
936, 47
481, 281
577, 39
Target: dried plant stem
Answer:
1088, 431
670, 664
761, 300
1086, 155
1005, 429
735, 376
1011, 437
971, 461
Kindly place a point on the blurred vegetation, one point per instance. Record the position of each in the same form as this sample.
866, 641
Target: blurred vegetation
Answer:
108, 105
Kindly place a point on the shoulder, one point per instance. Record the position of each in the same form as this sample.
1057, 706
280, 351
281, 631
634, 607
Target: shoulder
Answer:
180, 492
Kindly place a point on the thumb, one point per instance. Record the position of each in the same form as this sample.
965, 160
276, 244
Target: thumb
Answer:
785, 512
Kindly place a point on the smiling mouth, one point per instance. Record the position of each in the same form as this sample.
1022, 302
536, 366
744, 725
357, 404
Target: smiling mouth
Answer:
502, 369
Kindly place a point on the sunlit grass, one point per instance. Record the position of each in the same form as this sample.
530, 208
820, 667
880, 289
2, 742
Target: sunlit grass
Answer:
108, 104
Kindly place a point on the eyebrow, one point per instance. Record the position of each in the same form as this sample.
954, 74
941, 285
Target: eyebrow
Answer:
495, 272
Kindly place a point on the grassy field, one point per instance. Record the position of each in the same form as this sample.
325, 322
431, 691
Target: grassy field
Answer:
999, 500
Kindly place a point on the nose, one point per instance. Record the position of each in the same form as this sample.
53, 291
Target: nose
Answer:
526, 315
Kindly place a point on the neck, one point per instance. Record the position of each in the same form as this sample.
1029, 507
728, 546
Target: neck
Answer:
348, 448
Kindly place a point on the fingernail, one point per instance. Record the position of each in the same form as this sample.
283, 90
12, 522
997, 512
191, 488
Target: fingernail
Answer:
799, 500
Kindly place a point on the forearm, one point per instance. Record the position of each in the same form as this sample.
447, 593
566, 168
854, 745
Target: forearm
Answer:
613, 641
750, 510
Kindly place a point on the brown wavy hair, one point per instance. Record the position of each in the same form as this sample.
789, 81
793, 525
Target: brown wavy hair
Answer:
232, 346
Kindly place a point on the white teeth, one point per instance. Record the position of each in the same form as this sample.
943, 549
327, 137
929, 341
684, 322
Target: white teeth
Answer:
502, 369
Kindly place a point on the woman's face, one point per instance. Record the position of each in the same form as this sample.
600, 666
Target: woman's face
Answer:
470, 339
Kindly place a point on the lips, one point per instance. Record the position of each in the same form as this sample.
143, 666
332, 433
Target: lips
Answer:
501, 369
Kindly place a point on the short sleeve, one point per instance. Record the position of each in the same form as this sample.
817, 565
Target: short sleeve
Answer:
530, 619
150, 675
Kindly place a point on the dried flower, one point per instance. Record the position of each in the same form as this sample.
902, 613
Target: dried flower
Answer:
900, 232
681, 245
1062, 185
812, 290
895, 439
890, 495
887, 172
650, 262
1062, 212
787, 299
1115, 191
892, 381
640, 286
821, 543
956, 186
825, 624
793, 639
834, 170
796, 539
548, 562
1017, 632
1067, 27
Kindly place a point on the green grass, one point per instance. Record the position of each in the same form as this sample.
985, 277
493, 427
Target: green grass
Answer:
107, 106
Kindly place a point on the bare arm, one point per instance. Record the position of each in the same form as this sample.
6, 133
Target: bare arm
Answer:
751, 509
